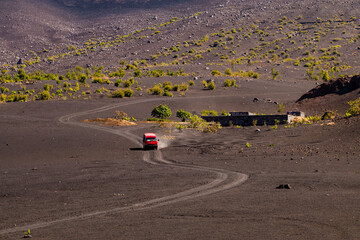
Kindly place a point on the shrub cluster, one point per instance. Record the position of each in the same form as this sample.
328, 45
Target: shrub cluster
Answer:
166, 87
120, 93
230, 83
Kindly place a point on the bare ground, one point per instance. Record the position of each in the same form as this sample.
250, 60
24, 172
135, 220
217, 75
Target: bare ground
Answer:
65, 178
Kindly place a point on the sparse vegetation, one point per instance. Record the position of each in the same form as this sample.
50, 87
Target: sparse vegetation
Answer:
354, 108
183, 115
118, 93
161, 111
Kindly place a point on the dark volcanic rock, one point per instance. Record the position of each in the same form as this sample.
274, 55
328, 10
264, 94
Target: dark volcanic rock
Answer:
340, 86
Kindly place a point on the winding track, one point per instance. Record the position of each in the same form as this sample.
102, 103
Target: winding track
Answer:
224, 179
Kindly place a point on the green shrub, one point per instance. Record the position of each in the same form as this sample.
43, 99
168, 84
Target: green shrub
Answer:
211, 85
230, 83
204, 83
328, 115
176, 88
137, 73
3, 97
275, 74
120, 73
203, 126
228, 72
156, 90
166, 83
168, 94
121, 116
4, 89
183, 115
102, 90
128, 83
224, 113
209, 112
128, 92
281, 107
48, 87
161, 111
118, 83
44, 95
183, 87
354, 108
314, 118
216, 73
82, 78
101, 80
118, 93
168, 88
191, 83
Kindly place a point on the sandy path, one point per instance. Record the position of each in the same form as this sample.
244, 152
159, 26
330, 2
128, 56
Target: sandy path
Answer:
224, 179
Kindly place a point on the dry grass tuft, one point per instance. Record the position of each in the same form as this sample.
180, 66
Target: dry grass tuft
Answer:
111, 122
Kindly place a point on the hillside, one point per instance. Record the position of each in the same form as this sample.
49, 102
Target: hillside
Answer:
69, 68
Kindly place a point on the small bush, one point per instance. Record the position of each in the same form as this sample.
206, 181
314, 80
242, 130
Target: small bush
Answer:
176, 88
101, 80
314, 118
166, 83
3, 97
128, 83
168, 94
183, 115
191, 83
156, 90
118, 94
102, 90
230, 83
48, 87
209, 112
228, 72
204, 83
161, 111
211, 86
168, 88
121, 115
203, 126
281, 107
354, 108
216, 73
183, 87
128, 92
44, 95
4, 89
328, 115
224, 113
118, 83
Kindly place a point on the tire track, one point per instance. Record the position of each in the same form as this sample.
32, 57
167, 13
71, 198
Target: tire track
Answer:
224, 179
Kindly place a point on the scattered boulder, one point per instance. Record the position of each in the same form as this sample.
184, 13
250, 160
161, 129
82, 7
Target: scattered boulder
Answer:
255, 100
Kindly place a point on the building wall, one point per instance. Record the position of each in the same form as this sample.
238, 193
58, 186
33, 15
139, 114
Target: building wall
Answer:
250, 120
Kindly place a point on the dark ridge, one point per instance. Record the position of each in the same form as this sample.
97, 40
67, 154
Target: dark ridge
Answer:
340, 86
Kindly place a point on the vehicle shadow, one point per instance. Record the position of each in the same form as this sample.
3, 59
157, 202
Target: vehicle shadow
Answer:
137, 149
